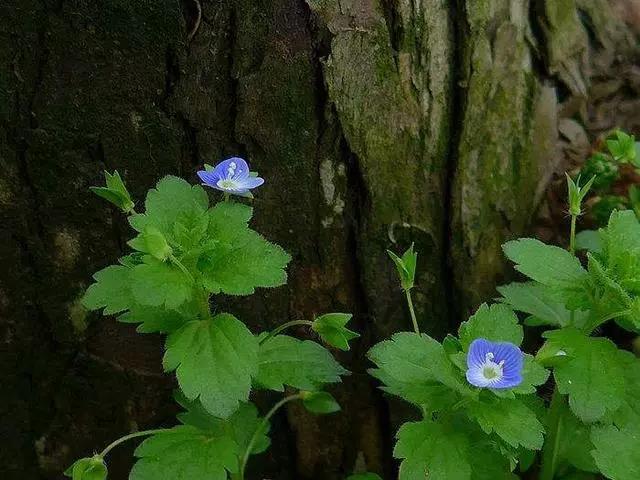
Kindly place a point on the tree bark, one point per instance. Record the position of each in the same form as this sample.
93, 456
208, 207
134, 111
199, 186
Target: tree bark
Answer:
376, 123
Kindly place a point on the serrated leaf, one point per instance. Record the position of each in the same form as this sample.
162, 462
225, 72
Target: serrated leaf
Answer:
238, 268
417, 369
227, 220
616, 451
185, 453
154, 319
170, 200
160, 284
305, 365
240, 426
537, 300
214, 361
432, 450
332, 329
592, 374
510, 419
496, 323
321, 403
546, 264
111, 290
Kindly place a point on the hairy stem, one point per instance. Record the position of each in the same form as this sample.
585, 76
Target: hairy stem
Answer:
283, 327
261, 428
143, 433
414, 320
572, 236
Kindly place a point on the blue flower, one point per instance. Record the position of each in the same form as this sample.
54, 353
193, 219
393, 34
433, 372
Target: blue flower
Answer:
231, 176
494, 365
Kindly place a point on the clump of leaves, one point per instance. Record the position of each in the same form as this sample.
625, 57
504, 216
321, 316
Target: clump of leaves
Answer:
477, 393
184, 252
619, 151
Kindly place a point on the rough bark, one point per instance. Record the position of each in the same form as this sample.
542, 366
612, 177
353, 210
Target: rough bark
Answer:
376, 123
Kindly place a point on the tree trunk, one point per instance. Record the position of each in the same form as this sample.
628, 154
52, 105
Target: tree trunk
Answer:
376, 123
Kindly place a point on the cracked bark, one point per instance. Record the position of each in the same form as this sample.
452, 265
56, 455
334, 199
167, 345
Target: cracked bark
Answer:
380, 123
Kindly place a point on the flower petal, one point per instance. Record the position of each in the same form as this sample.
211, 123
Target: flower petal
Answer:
209, 178
251, 182
478, 352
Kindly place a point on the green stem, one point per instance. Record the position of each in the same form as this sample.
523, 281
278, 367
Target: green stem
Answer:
414, 320
262, 427
283, 327
552, 442
184, 269
572, 237
143, 433
204, 305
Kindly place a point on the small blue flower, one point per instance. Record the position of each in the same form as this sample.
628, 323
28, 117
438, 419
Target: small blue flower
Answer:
231, 176
494, 365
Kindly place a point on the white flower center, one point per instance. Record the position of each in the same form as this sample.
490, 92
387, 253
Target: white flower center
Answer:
490, 369
227, 184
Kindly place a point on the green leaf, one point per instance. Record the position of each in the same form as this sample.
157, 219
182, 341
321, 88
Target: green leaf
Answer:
496, 323
186, 453
609, 299
616, 451
592, 374
574, 442
111, 290
238, 268
416, 368
546, 264
92, 468
537, 300
154, 319
553, 267
432, 450
160, 284
533, 375
171, 200
115, 192
589, 240
622, 147
240, 426
305, 365
320, 402
228, 220
629, 411
621, 250
510, 419
332, 329
152, 241
214, 361
406, 266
